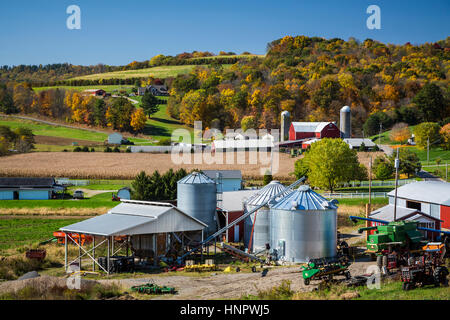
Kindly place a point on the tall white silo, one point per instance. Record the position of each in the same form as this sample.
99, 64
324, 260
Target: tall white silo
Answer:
345, 124
285, 124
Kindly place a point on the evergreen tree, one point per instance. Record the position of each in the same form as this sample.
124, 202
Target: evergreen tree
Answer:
149, 104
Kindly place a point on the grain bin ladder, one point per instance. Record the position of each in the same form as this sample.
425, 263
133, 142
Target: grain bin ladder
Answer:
245, 215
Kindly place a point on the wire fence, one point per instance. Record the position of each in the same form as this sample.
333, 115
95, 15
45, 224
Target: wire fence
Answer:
355, 195
77, 182
379, 183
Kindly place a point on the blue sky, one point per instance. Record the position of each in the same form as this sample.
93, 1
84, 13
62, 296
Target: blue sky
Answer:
118, 32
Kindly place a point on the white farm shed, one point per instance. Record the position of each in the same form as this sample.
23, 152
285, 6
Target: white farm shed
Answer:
142, 223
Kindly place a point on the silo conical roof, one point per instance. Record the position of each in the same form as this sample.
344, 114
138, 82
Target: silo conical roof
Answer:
197, 178
304, 198
270, 190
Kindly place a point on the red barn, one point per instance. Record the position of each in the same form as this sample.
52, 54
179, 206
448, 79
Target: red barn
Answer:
302, 130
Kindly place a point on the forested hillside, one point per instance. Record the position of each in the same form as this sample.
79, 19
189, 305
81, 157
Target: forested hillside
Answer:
313, 78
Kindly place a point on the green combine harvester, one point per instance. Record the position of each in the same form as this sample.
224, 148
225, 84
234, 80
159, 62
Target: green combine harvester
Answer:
151, 288
392, 243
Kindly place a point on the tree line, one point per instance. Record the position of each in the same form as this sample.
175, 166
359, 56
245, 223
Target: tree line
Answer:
157, 187
18, 140
313, 78
75, 107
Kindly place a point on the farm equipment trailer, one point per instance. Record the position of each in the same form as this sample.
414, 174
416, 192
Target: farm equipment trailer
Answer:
325, 268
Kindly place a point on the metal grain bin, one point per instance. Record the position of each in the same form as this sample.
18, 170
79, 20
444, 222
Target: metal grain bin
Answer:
303, 226
261, 229
196, 196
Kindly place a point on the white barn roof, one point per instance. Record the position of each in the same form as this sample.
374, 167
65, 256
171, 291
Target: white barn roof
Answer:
309, 126
425, 191
137, 217
387, 213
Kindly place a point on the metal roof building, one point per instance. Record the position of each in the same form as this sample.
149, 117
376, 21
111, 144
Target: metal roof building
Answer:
242, 145
137, 217
301, 130
28, 188
355, 143
136, 220
230, 208
231, 180
386, 213
429, 197
425, 191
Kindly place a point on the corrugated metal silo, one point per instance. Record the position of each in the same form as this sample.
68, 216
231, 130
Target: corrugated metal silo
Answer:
345, 123
196, 195
303, 226
261, 230
285, 124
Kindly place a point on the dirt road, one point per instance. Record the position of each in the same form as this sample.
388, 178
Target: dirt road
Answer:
233, 285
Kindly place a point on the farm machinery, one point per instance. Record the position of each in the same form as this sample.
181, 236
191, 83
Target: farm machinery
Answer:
426, 269
151, 288
393, 243
325, 268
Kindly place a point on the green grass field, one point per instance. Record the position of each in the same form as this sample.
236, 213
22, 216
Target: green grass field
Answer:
43, 129
107, 88
155, 72
435, 153
102, 200
53, 131
362, 201
245, 56
28, 231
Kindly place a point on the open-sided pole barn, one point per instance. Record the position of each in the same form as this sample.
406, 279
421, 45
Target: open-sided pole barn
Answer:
138, 224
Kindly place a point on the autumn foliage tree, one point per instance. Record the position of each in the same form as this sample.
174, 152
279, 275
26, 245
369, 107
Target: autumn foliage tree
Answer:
445, 134
138, 120
400, 133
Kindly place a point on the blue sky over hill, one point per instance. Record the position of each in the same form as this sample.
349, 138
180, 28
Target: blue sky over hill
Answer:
117, 32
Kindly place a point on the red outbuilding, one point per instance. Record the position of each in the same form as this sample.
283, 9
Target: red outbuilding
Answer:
303, 130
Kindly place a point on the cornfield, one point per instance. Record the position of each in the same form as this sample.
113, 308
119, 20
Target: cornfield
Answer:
128, 165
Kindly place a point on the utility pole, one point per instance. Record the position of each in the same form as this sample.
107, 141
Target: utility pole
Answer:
397, 165
369, 206
428, 150
381, 127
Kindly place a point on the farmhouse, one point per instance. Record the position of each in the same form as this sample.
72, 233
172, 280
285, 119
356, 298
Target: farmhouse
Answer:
231, 179
28, 188
156, 90
356, 143
95, 92
302, 130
